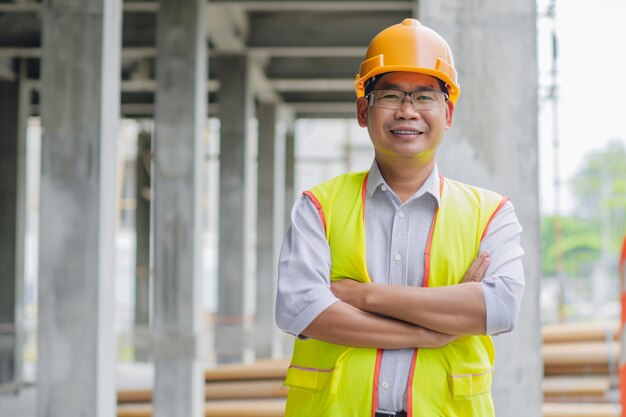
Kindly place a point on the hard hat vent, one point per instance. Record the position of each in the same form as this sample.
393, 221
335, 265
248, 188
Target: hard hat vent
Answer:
411, 22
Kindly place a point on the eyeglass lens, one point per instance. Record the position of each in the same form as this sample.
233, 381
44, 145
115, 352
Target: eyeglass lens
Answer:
421, 100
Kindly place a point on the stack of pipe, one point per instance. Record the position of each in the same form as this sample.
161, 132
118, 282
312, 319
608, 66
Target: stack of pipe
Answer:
580, 370
253, 390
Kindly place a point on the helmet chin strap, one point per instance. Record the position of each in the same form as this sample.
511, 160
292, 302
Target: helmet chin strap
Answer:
371, 83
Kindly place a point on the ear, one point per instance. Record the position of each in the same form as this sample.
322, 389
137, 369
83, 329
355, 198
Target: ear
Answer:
449, 113
361, 111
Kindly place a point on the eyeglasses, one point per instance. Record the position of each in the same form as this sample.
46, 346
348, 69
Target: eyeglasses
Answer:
420, 100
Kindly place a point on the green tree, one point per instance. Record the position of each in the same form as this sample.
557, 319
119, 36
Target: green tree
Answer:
580, 242
600, 191
597, 223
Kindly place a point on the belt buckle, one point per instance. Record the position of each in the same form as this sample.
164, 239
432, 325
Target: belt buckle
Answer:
380, 413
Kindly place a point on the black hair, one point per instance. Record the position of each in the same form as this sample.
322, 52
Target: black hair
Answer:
370, 83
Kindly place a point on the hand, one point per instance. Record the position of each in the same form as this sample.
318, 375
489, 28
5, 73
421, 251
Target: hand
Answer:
349, 291
476, 271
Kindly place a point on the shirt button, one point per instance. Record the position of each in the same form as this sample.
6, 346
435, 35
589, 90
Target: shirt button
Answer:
397, 257
383, 188
386, 385
401, 214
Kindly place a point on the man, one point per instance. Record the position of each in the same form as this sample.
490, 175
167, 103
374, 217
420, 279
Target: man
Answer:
380, 275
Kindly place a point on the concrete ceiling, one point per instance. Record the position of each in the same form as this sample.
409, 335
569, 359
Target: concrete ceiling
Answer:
304, 53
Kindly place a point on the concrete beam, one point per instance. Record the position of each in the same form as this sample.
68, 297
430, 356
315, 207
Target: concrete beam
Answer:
494, 144
152, 6
141, 6
24, 52
236, 111
6, 70
262, 87
304, 110
303, 29
179, 122
307, 5
280, 85
325, 107
137, 86
29, 7
140, 52
149, 86
228, 29
20, 7
137, 109
80, 111
325, 84
314, 67
35, 52
307, 51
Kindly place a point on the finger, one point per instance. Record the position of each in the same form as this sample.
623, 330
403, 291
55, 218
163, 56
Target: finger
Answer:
477, 269
480, 265
483, 255
476, 264
482, 268
471, 271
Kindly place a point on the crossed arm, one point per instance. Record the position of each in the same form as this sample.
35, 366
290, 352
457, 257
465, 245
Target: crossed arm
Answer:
444, 313
387, 316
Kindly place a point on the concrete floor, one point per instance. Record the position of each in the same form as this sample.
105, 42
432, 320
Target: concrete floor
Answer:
23, 403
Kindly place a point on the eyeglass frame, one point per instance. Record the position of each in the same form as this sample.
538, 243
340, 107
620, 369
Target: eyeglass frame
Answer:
370, 98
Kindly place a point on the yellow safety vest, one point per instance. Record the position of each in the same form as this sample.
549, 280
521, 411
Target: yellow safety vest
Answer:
328, 380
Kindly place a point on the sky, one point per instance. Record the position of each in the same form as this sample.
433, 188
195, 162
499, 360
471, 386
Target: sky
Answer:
591, 73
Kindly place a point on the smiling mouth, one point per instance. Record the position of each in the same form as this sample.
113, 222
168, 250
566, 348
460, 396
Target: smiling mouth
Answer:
406, 132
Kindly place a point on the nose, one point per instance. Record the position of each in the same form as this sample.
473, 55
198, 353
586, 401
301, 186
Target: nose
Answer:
406, 110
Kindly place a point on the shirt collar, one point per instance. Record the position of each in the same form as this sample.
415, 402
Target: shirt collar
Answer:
375, 180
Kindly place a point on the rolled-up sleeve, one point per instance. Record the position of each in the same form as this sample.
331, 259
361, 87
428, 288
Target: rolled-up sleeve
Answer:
503, 285
303, 289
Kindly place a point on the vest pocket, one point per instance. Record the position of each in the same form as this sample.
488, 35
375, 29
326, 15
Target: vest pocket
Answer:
463, 386
307, 379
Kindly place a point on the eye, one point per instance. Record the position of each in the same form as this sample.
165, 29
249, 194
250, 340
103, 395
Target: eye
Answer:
390, 95
424, 96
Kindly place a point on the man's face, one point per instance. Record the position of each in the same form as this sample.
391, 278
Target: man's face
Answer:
405, 132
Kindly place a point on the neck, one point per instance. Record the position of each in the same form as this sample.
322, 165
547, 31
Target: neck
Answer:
405, 177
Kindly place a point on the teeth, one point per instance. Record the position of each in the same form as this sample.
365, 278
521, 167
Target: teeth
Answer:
405, 132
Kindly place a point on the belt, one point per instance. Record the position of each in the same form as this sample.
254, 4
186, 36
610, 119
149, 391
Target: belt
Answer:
390, 414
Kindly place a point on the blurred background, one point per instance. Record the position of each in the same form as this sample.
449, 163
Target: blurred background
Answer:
298, 60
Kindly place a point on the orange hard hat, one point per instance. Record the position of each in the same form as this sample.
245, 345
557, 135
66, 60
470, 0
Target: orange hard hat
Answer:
412, 47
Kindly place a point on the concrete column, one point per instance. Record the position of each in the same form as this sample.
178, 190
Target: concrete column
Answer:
24, 112
178, 150
270, 215
235, 98
493, 144
14, 111
9, 156
290, 171
142, 261
80, 111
